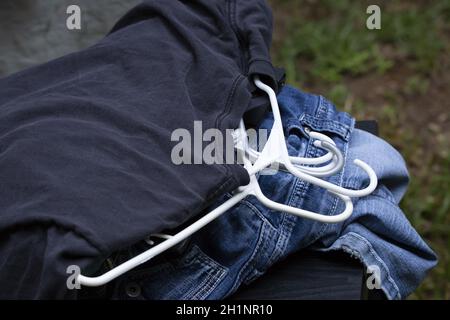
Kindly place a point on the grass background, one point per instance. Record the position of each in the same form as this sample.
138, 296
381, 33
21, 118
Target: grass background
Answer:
400, 76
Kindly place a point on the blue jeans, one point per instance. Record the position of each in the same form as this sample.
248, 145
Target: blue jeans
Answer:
244, 242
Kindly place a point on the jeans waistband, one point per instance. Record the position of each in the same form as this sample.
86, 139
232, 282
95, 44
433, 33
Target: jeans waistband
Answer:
300, 110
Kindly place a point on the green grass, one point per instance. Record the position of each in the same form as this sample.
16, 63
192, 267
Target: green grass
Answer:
325, 46
334, 47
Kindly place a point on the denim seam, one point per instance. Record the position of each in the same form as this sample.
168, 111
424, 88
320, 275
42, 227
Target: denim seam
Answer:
320, 108
312, 151
322, 124
295, 199
301, 186
298, 191
374, 254
319, 116
287, 221
246, 268
333, 209
341, 181
261, 253
211, 282
283, 237
197, 292
251, 263
285, 233
258, 212
214, 275
238, 281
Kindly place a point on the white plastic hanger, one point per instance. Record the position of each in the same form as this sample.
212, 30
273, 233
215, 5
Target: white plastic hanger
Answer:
275, 150
324, 142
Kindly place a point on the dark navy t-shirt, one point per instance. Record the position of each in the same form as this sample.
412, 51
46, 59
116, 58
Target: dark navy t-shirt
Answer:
85, 140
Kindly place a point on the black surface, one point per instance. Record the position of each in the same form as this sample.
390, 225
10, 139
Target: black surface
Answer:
368, 125
309, 275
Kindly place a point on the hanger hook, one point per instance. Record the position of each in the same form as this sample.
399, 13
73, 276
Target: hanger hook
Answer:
307, 177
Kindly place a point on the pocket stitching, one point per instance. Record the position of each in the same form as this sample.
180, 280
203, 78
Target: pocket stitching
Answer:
321, 124
213, 276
